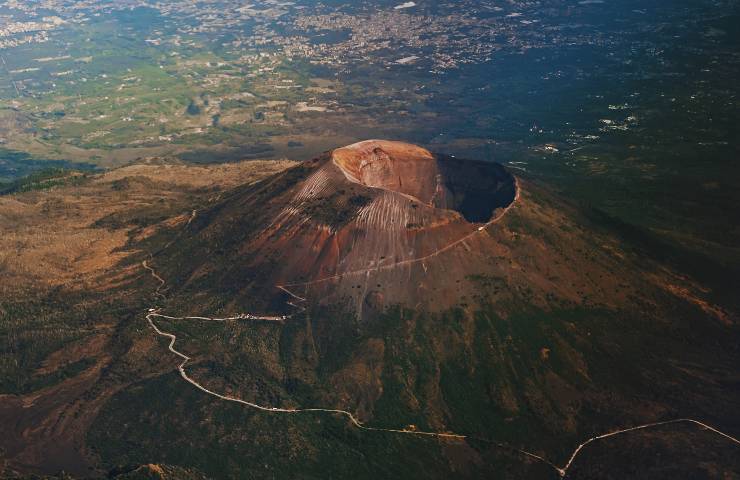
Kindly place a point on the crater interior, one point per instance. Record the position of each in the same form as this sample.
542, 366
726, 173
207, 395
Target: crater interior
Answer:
473, 189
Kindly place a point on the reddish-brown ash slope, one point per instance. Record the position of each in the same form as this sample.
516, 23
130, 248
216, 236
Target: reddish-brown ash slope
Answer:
382, 223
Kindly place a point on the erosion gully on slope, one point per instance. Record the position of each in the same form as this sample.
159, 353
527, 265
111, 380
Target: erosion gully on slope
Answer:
460, 241
297, 301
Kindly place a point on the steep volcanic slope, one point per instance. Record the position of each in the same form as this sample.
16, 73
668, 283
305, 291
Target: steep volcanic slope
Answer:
384, 223
375, 209
421, 289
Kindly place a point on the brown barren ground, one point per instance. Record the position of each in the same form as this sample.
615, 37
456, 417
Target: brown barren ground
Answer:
77, 239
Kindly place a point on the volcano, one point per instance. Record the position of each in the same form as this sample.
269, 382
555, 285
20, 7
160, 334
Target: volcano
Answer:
382, 223
355, 219
418, 288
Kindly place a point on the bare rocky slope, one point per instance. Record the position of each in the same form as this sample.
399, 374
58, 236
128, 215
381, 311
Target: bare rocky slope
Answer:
384, 223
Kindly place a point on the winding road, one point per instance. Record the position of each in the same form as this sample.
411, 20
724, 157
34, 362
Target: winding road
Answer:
562, 471
297, 302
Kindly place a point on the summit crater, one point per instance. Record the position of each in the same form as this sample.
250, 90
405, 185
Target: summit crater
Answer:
473, 189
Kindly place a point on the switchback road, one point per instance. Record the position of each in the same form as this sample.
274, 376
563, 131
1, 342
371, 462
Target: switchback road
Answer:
562, 471
297, 302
